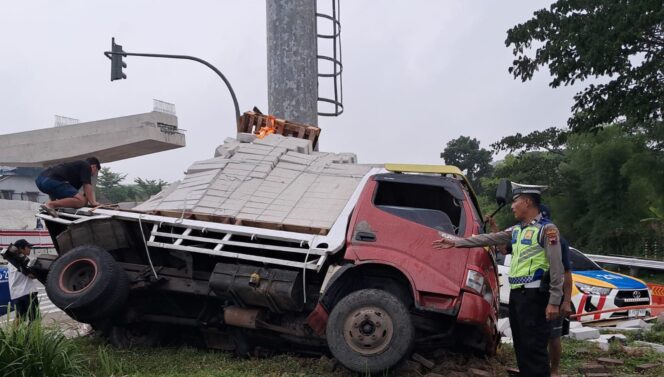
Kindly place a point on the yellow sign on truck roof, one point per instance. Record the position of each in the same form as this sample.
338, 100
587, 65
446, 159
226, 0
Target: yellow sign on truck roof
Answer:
429, 169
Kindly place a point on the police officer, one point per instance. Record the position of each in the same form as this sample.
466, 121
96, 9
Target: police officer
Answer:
536, 276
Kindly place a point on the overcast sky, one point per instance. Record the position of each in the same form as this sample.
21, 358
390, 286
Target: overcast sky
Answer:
416, 73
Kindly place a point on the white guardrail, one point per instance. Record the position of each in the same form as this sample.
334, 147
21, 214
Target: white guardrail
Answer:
629, 262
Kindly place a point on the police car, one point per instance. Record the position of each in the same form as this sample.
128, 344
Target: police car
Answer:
594, 289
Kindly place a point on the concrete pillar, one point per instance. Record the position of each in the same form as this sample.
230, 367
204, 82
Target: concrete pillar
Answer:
292, 66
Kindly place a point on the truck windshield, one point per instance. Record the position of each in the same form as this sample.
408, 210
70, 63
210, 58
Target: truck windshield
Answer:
429, 205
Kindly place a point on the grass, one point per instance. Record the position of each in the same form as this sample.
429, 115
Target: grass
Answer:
186, 361
576, 353
655, 335
32, 350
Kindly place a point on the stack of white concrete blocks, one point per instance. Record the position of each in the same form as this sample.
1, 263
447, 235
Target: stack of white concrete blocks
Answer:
272, 180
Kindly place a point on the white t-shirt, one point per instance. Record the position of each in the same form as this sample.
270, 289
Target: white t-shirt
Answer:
19, 284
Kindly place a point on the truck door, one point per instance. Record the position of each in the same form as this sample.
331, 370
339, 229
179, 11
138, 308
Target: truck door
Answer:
396, 220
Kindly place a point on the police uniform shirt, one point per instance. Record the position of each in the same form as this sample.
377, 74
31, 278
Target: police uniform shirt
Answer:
550, 241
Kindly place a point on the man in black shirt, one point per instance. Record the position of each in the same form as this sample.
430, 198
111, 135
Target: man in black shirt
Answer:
62, 183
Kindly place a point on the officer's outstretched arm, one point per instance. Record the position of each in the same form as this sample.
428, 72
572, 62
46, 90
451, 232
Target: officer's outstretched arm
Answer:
489, 239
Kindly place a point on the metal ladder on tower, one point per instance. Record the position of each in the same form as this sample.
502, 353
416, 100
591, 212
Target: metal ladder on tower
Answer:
336, 100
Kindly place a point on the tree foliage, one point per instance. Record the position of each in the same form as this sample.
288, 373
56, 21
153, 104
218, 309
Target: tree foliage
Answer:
605, 189
111, 190
466, 154
107, 179
537, 168
551, 139
149, 187
619, 43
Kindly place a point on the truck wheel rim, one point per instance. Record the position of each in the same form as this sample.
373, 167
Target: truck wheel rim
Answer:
368, 330
78, 275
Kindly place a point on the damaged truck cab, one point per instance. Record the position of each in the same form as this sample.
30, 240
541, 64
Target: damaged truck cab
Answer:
371, 290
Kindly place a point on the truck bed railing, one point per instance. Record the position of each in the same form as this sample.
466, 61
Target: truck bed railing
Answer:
277, 247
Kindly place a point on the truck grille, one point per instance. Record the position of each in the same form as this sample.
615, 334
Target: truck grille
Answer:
632, 298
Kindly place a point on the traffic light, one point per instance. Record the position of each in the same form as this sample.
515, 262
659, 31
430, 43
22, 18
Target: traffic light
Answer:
116, 62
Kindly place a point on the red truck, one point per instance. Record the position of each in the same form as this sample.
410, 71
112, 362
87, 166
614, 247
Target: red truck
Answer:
371, 289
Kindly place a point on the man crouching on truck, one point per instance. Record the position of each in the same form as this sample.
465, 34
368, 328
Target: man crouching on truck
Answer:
536, 277
62, 182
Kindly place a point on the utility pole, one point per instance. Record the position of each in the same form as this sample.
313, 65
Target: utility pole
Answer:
292, 64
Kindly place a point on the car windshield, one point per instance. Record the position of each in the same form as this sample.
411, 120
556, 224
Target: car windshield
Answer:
580, 262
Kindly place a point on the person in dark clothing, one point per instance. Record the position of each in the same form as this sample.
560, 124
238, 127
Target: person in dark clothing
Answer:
62, 184
22, 288
560, 326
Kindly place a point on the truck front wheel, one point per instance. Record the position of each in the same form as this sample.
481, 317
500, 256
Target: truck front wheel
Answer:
87, 283
370, 331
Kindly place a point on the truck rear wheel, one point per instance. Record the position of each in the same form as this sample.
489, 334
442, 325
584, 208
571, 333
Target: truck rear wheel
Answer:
370, 331
87, 283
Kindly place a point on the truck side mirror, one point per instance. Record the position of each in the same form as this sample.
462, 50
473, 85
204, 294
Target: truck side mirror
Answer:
503, 192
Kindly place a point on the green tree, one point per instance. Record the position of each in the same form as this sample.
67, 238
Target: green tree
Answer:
619, 43
551, 139
466, 154
537, 168
607, 187
107, 179
149, 187
110, 189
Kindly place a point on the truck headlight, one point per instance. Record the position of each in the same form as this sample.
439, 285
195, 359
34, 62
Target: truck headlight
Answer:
593, 289
475, 281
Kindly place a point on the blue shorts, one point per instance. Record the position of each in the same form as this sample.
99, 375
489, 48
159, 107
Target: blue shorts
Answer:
55, 189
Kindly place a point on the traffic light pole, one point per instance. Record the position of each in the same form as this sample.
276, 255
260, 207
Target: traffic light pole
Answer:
109, 55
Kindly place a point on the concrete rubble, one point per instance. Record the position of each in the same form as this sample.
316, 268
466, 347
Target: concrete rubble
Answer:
604, 341
443, 362
584, 333
591, 334
634, 324
659, 348
276, 179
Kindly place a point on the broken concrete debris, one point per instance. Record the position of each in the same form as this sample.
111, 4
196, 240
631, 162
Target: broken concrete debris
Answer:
659, 348
592, 368
604, 341
424, 361
584, 333
609, 361
591, 334
276, 179
409, 367
634, 324
647, 367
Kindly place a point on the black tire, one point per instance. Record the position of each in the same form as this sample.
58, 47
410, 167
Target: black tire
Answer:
87, 283
370, 331
135, 335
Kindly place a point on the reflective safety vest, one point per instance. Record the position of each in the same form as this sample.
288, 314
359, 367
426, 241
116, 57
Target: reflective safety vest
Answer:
529, 260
